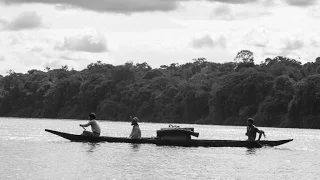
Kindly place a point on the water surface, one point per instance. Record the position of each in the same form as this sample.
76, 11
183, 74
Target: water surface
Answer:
28, 152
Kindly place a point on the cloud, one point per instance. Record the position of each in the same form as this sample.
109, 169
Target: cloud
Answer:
301, 2
26, 20
222, 41
207, 42
314, 12
202, 42
268, 2
257, 37
235, 1
315, 42
293, 44
93, 42
2, 58
119, 6
288, 46
65, 57
53, 64
3, 22
37, 49
225, 12
75, 56
133, 6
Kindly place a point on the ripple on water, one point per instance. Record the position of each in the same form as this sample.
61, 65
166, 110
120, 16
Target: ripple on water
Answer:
28, 152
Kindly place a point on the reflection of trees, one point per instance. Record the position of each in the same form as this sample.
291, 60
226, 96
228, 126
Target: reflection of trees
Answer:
278, 92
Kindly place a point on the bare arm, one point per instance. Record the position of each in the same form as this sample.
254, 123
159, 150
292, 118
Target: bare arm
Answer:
260, 134
86, 125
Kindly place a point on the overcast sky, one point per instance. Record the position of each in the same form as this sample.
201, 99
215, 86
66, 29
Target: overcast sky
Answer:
35, 34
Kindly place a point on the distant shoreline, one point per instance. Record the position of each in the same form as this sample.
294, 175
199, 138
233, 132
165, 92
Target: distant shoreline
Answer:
280, 92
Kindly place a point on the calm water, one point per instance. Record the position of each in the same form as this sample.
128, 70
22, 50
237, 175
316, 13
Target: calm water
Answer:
28, 152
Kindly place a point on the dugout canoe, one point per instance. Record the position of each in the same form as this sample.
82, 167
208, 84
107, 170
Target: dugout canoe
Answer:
161, 142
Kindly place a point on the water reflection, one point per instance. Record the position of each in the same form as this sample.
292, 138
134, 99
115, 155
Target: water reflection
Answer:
92, 147
251, 151
135, 147
282, 149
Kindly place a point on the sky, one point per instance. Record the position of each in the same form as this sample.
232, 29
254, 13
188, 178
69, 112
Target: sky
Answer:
35, 34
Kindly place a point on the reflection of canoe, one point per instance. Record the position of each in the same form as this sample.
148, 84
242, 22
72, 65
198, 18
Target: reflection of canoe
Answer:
157, 141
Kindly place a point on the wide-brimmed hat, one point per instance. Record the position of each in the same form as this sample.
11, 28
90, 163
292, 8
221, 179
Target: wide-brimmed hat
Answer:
135, 119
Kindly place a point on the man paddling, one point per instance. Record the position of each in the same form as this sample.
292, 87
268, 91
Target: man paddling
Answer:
136, 132
96, 130
252, 130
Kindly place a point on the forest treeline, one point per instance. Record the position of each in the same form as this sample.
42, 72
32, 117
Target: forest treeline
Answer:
279, 92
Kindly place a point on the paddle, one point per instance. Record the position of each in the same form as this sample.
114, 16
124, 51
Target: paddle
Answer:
83, 127
264, 135
260, 145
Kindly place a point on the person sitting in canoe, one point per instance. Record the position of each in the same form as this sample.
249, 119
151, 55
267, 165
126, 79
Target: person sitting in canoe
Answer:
96, 130
252, 130
136, 132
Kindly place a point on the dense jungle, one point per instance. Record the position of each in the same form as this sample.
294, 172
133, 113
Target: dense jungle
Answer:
279, 92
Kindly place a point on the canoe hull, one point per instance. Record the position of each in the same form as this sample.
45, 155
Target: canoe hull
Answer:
185, 143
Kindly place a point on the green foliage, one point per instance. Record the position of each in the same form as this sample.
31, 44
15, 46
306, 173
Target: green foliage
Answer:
279, 92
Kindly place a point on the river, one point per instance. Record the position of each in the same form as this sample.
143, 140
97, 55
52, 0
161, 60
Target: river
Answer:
28, 152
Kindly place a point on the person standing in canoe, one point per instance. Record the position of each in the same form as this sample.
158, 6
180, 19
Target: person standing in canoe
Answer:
252, 131
96, 130
136, 132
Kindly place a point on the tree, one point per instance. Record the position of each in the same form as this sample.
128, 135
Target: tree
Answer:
244, 56
143, 66
65, 67
163, 66
199, 60
280, 92
10, 71
47, 69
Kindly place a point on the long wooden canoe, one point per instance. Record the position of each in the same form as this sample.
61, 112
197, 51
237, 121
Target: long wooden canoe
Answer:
186, 143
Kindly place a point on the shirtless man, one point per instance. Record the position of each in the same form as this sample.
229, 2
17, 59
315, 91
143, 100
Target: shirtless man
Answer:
252, 131
94, 126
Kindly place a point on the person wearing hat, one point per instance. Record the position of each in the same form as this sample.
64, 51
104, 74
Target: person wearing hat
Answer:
252, 130
136, 132
96, 130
